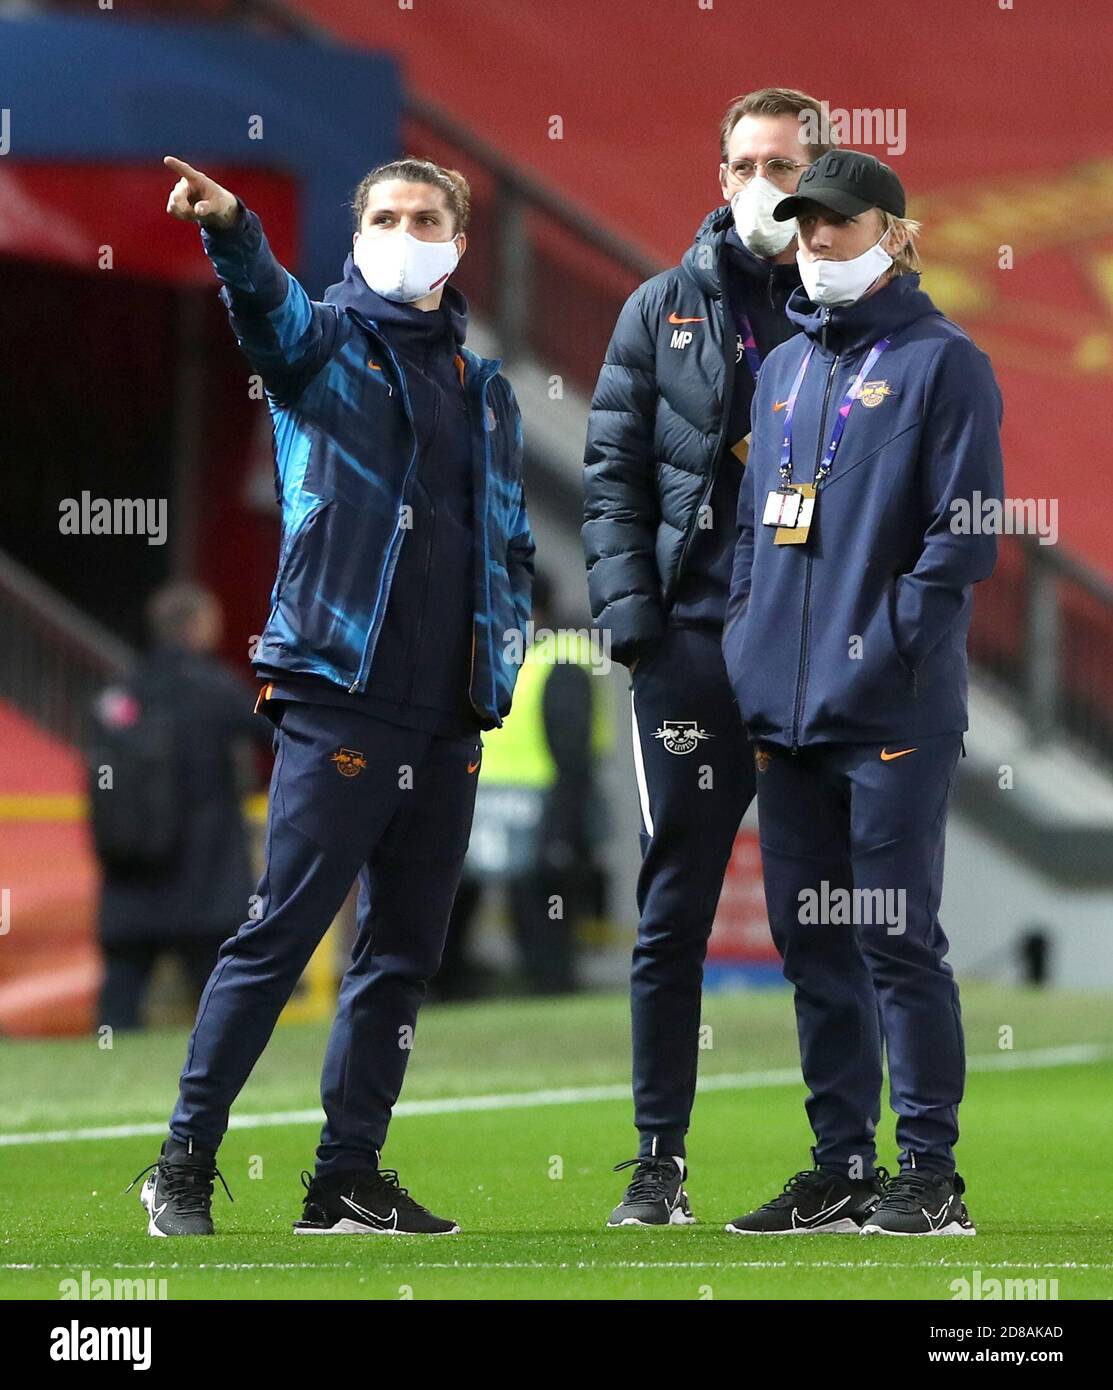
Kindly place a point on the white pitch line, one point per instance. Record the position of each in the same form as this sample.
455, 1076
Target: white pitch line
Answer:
1034, 1059
575, 1264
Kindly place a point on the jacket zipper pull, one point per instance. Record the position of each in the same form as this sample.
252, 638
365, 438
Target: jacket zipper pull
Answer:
352, 687
826, 321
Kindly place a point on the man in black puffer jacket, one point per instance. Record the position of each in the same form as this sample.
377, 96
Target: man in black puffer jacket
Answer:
666, 447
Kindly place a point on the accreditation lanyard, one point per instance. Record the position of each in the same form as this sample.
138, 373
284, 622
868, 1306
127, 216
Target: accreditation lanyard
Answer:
749, 344
791, 506
840, 421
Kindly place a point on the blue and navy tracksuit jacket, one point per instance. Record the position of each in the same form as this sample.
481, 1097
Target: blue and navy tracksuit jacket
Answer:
347, 453
419, 678
887, 562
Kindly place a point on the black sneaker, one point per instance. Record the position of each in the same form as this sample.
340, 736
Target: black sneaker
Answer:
178, 1194
365, 1203
655, 1196
922, 1204
815, 1202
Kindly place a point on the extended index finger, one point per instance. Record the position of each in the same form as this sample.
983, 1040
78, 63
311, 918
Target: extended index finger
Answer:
181, 168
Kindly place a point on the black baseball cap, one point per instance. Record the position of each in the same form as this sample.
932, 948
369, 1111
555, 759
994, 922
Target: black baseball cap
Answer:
849, 183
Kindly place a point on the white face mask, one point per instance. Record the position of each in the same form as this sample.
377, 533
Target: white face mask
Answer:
402, 267
843, 282
753, 218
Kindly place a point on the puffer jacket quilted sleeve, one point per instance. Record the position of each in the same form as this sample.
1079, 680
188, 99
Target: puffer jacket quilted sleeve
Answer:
621, 506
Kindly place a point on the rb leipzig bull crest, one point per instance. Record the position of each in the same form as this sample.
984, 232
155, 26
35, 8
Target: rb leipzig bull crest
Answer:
680, 735
349, 762
873, 393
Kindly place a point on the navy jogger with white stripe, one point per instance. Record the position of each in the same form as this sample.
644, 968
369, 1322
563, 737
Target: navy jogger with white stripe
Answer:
695, 776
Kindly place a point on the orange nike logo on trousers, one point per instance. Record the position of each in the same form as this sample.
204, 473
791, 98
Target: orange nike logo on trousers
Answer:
473, 766
887, 757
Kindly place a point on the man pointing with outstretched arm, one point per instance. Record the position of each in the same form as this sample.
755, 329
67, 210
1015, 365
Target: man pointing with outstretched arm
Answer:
406, 562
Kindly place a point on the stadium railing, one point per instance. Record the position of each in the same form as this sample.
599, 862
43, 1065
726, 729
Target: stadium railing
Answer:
56, 658
549, 278
1043, 632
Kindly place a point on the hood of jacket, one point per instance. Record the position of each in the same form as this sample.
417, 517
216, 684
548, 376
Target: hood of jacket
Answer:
353, 293
852, 326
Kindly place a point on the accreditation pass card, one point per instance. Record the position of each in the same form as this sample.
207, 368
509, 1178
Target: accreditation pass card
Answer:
795, 523
781, 507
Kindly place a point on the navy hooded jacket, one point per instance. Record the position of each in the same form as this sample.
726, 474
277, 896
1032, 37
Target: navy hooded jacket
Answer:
347, 456
859, 635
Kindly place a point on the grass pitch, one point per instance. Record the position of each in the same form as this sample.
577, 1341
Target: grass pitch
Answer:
513, 1114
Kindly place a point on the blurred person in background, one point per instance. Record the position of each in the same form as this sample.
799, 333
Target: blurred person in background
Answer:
537, 816
167, 785
666, 449
845, 642
405, 566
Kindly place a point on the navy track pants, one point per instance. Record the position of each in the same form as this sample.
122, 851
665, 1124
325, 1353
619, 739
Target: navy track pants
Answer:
350, 797
695, 774
852, 839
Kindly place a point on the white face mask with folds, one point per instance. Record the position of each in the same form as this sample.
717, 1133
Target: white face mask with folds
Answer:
753, 218
843, 282
401, 267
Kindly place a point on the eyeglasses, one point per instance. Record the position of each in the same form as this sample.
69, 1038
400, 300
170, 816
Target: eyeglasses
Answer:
775, 170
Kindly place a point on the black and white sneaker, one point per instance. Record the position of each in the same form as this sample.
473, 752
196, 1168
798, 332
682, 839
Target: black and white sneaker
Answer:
366, 1203
922, 1204
815, 1202
655, 1196
178, 1194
